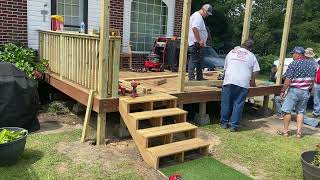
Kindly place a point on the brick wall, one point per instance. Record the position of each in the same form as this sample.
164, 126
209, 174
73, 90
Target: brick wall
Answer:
13, 21
116, 14
178, 18
137, 61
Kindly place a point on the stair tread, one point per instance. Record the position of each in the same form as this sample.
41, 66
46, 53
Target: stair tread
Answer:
149, 98
176, 147
157, 113
167, 129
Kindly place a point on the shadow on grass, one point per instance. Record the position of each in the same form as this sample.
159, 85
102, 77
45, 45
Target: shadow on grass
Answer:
24, 167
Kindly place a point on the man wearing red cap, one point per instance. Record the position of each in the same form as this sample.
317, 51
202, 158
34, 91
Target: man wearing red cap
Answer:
299, 81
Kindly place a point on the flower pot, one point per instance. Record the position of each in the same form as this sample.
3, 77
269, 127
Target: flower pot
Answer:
10, 152
310, 172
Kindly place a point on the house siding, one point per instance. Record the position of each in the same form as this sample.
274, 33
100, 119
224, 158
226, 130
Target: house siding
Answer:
119, 19
37, 21
94, 14
13, 21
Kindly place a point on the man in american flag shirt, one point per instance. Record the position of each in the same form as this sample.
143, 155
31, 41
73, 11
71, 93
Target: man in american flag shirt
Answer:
299, 79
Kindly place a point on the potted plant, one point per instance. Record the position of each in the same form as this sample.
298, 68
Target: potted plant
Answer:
311, 164
12, 143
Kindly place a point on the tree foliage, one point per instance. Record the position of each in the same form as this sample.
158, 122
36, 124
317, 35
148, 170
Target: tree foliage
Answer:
266, 24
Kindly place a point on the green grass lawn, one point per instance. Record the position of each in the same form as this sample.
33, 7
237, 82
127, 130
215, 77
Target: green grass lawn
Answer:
41, 160
204, 168
270, 156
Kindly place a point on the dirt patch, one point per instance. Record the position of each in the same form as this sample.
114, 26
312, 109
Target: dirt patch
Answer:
62, 167
69, 118
212, 139
52, 123
114, 157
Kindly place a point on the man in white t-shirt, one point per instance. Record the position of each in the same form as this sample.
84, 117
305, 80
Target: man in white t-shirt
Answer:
240, 68
198, 36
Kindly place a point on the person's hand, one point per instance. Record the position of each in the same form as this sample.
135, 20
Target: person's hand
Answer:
283, 95
201, 44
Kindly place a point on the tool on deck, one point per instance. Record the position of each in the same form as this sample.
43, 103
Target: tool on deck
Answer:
122, 90
134, 85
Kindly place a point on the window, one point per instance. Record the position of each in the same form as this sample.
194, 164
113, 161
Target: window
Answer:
73, 11
148, 21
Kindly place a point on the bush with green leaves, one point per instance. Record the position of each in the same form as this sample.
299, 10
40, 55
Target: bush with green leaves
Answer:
24, 59
266, 63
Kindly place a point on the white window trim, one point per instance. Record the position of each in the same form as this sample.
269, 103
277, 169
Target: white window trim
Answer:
127, 21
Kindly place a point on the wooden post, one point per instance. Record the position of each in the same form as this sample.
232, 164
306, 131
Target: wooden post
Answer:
115, 67
61, 57
103, 67
203, 108
247, 20
87, 117
265, 102
184, 44
284, 43
40, 46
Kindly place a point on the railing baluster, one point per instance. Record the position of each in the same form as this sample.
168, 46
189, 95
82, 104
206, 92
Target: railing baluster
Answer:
75, 58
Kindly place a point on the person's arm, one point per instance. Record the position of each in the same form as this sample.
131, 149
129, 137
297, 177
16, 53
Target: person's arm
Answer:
253, 79
285, 86
256, 69
197, 36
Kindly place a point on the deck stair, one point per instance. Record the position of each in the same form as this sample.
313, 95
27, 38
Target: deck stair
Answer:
147, 120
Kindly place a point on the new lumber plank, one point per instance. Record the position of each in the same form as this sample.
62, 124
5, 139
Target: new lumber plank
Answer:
177, 147
149, 98
157, 113
167, 129
204, 83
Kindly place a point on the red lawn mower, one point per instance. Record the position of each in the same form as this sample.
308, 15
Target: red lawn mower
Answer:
156, 60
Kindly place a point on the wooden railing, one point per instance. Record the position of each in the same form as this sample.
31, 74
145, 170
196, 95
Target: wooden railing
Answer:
75, 57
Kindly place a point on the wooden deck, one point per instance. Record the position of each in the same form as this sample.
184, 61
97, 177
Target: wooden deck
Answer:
83, 66
192, 94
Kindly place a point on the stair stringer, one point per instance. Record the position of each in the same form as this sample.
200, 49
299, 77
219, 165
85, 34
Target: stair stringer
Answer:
139, 141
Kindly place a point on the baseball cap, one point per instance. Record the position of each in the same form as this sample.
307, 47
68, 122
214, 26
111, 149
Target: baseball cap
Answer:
298, 49
209, 9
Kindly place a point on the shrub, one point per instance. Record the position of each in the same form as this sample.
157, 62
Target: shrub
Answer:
266, 63
24, 59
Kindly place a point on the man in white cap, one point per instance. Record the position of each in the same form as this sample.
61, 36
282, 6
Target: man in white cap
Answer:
198, 36
309, 54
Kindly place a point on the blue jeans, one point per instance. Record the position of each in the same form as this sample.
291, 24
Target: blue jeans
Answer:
316, 100
310, 121
296, 99
232, 103
195, 61
278, 103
